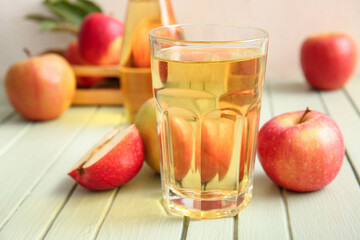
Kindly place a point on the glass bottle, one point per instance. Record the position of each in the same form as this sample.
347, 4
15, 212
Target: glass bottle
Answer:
135, 73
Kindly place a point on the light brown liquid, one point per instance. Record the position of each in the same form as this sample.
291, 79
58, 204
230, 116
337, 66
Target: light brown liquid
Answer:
208, 113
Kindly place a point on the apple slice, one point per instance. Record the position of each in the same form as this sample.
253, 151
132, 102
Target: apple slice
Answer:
112, 162
217, 140
181, 133
207, 162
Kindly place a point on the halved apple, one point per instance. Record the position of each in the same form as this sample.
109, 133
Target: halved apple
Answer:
112, 162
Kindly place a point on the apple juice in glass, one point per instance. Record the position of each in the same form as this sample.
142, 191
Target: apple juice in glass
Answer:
207, 82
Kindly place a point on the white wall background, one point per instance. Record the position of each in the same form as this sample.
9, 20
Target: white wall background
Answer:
287, 21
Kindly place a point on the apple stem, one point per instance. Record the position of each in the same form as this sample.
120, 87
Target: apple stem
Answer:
303, 116
204, 185
80, 169
180, 183
27, 52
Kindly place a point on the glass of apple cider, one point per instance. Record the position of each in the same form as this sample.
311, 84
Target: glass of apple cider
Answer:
207, 82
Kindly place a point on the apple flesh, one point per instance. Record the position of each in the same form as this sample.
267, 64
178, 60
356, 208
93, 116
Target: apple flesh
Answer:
42, 87
328, 60
73, 56
100, 38
301, 151
112, 162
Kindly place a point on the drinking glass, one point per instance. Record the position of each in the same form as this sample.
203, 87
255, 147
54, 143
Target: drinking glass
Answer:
207, 82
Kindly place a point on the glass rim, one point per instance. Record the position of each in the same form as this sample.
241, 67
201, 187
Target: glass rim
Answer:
265, 34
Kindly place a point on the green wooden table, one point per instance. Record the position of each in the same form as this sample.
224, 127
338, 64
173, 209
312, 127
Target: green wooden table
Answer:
39, 201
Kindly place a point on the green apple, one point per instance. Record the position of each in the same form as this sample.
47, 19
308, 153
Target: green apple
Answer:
146, 124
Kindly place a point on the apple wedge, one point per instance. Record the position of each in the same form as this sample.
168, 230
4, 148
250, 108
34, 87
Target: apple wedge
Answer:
112, 162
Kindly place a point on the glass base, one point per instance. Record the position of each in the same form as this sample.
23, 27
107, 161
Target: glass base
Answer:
230, 206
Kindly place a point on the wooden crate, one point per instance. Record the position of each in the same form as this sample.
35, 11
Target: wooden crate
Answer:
137, 82
105, 93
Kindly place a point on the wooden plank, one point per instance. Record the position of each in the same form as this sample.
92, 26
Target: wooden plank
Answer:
82, 215
12, 125
352, 89
348, 119
98, 96
137, 213
211, 229
42, 206
331, 213
265, 217
96, 71
5, 107
2, 91
11, 130
24, 164
293, 95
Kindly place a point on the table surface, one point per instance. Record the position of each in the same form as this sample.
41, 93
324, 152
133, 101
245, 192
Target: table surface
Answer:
38, 200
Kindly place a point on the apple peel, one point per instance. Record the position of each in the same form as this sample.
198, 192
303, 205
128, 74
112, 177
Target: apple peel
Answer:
112, 162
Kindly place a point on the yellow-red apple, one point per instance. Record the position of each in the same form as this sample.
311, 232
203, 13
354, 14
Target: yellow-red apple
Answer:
181, 144
146, 124
301, 151
112, 162
72, 55
140, 42
42, 87
328, 60
100, 38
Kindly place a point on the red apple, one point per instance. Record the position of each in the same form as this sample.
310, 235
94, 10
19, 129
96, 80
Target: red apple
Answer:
328, 60
100, 38
42, 87
301, 151
74, 58
112, 162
